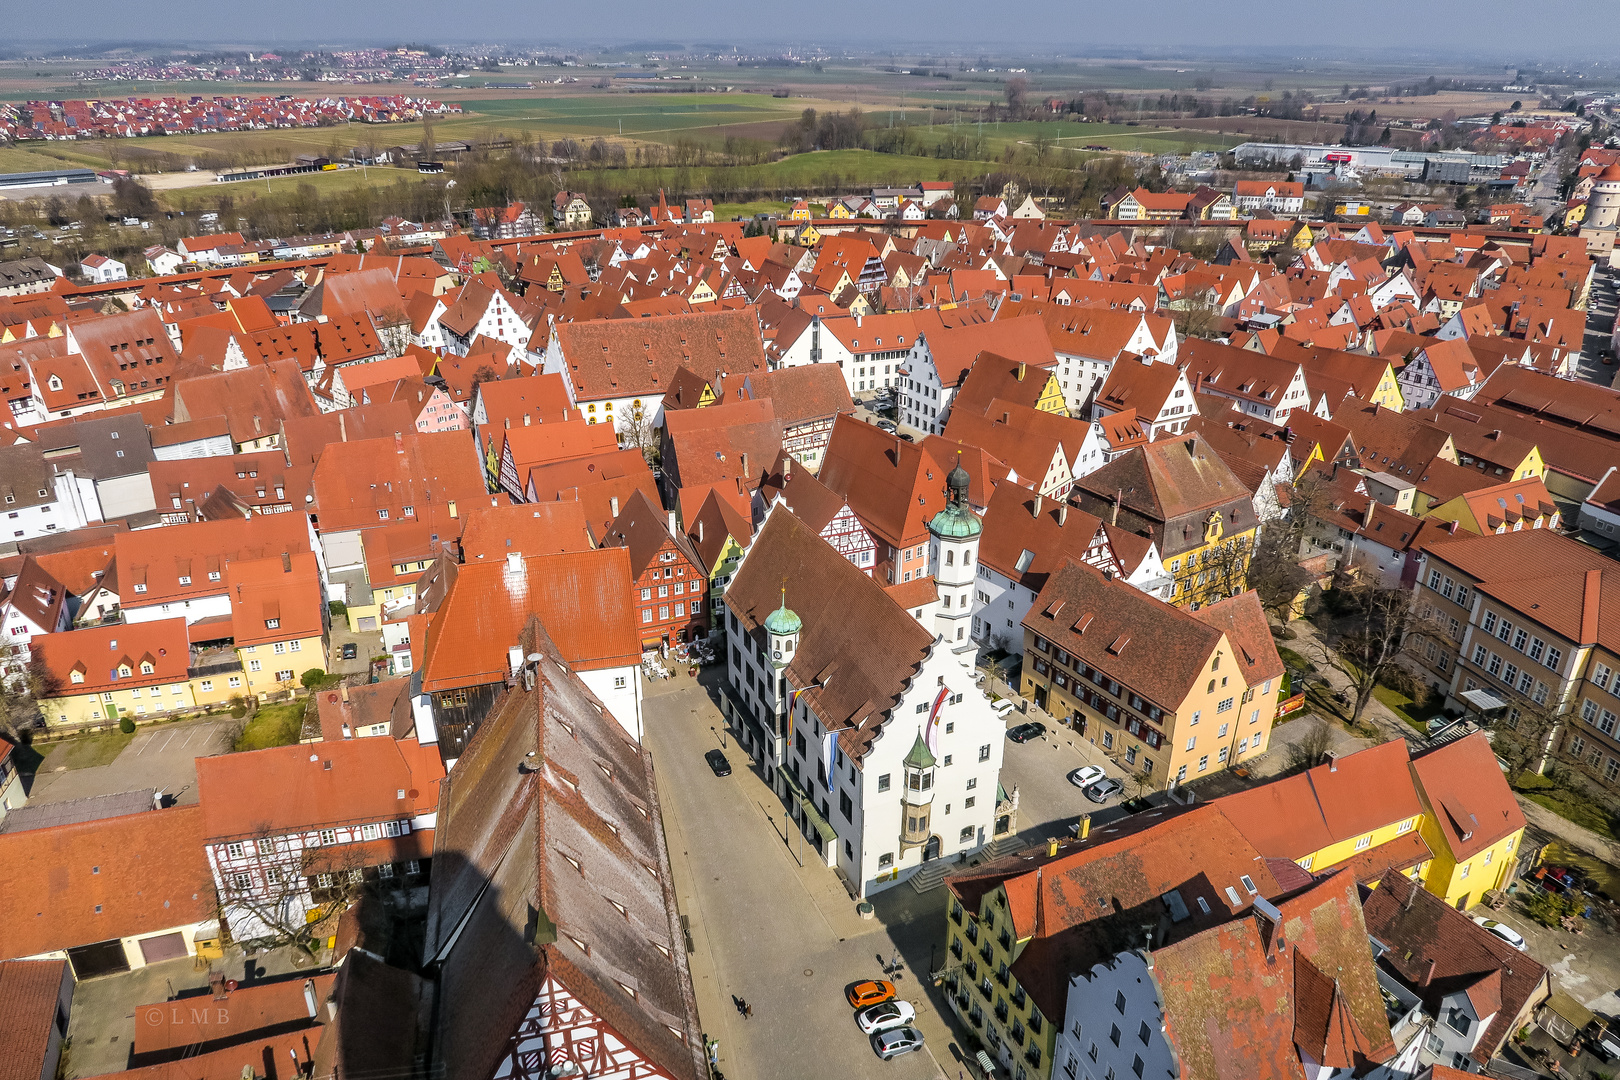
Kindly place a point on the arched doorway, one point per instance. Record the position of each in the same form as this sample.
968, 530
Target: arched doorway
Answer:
931, 849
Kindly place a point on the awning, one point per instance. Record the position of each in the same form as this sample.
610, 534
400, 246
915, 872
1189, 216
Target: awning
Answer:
823, 828
1483, 700
986, 1063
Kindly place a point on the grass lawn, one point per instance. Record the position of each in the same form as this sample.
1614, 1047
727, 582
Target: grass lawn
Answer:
1399, 704
273, 725
1295, 660
84, 751
728, 211
1567, 803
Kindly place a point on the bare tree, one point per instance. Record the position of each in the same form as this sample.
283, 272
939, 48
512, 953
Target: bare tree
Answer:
1197, 316
1226, 569
286, 896
394, 330
636, 431
1313, 747
1379, 621
1523, 736
427, 149
1274, 572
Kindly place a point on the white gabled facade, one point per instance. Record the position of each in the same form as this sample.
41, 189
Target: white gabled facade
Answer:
926, 788
1080, 374
1114, 1023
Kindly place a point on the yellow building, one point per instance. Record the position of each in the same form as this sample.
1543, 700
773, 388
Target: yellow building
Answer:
278, 622
1511, 507
104, 673
1168, 694
1471, 821
1446, 818
1179, 494
1361, 808
837, 211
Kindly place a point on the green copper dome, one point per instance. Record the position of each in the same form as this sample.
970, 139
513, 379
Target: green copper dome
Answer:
919, 757
782, 622
957, 521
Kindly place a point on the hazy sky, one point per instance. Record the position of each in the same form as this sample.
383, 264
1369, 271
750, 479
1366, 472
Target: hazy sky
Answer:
1546, 29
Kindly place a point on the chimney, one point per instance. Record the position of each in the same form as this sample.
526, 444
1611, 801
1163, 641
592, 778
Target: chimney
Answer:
1063, 514
613, 506
1035, 507
347, 734
744, 465
344, 690
1333, 761
514, 562
1021, 366
505, 424
514, 659
1085, 827
1119, 497
309, 1000
527, 419
452, 509
1428, 976
286, 562
787, 469
672, 523
700, 530
1367, 516
399, 443
343, 428
1052, 848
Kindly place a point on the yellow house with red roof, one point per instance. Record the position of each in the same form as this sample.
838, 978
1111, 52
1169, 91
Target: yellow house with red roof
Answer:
1511, 507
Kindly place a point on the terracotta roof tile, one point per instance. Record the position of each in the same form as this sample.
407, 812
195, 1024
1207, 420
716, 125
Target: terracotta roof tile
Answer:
71, 885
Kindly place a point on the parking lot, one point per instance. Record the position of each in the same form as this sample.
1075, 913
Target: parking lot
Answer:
158, 757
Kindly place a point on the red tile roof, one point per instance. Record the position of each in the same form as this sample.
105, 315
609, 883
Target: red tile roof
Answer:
356, 483
584, 599
71, 885
1348, 798
288, 789
540, 528
1436, 950
1470, 799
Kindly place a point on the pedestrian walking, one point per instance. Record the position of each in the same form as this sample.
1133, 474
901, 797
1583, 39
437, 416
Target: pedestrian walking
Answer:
736, 1003
748, 1011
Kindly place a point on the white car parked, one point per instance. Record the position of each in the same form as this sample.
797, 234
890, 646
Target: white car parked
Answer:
1503, 931
885, 1015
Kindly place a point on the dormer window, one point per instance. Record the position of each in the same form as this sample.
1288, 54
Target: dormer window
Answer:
77, 676
146, 667
185, 581
272, 624
54, 382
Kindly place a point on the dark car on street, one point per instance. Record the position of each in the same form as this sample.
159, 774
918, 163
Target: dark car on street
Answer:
717, 762
350, 650
1034, 729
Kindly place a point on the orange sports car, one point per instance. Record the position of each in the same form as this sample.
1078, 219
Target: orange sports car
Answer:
872, 992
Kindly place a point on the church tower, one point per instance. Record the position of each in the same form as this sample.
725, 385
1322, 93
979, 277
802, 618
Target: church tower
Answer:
954, 562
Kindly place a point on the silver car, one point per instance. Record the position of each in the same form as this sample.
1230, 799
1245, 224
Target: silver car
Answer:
896, 1041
